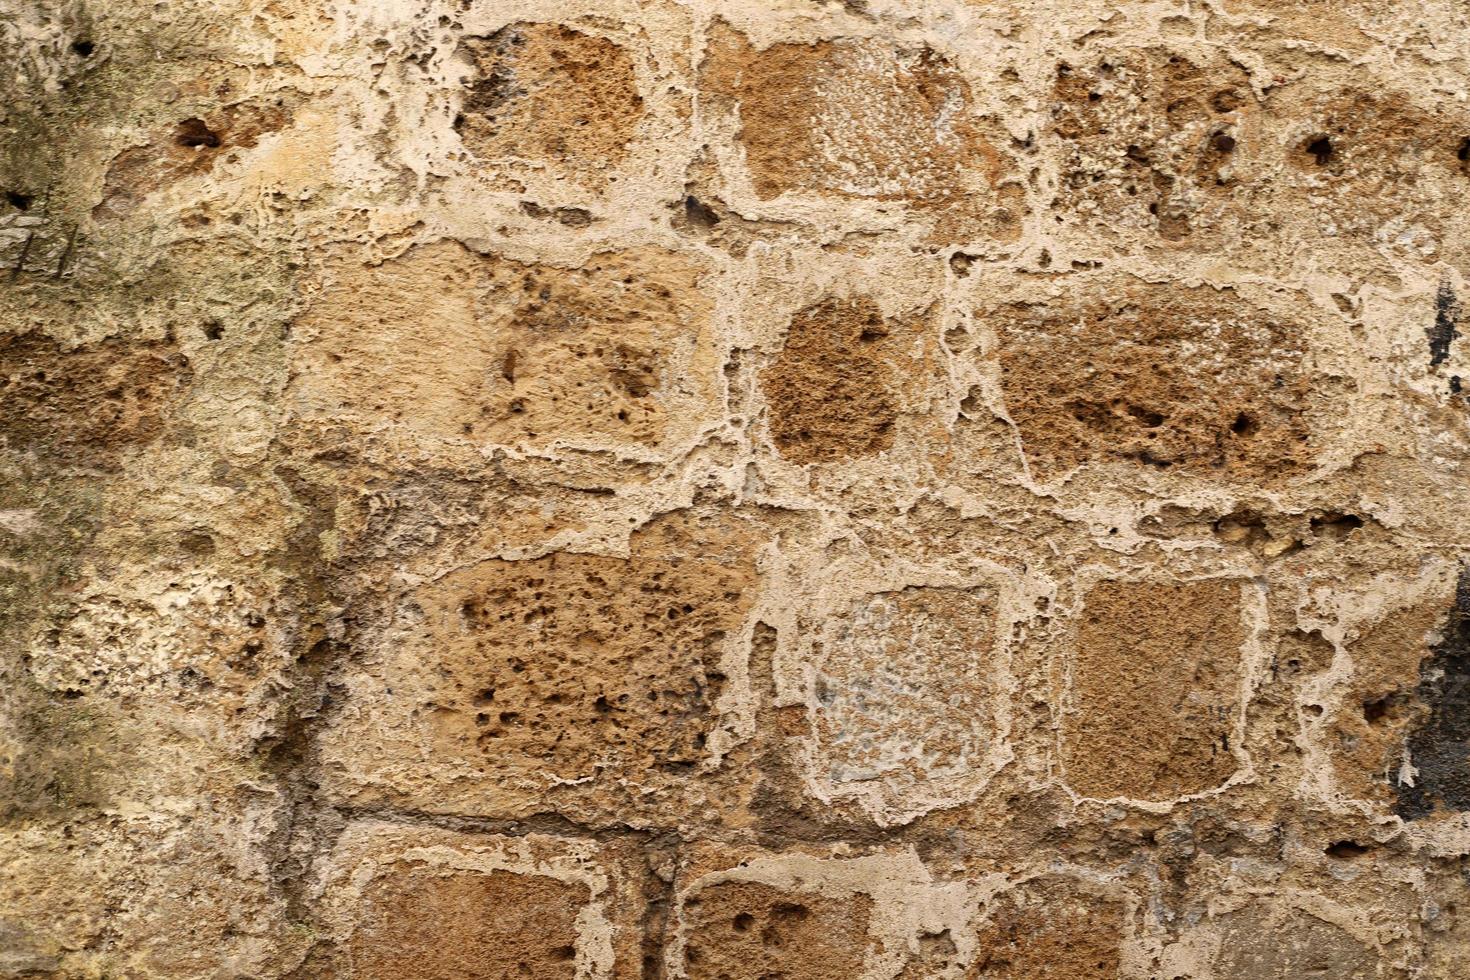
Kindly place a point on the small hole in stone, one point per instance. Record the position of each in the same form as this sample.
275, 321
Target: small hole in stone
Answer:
1243, 425
213, 330
83, 48
1224, 142
1464, 152
699, 214
193, 133
564, 953
1321, 148
743, 922
17, 200
1375, 710
1345, 850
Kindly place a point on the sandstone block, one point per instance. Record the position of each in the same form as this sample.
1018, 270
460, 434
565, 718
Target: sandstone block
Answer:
190, 147
797, 915
1274, 941
1051, 927
506, 683
87, 405
1149, 141
1380, 708
403, 901
1155, 674
1178, 146
862, 119
1192, 381
619, 352
749, 929
549, 94
835, 389
906, 712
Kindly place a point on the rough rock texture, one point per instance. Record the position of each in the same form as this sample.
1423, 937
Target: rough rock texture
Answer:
670, 490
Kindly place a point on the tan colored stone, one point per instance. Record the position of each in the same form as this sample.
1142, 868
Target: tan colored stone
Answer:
1270, 942
834, 389
1181, 380
190, 147
550, 94
1052, 928
85, 406
1154, 675
750, 929
1380, 706
510, 678
1149, 140
905, 697
864, 119
413, 901
616, 352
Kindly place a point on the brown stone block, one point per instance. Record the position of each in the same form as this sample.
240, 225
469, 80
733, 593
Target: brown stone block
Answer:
396, 902
835, 389
508, 683
1186, 380
190, 147
1153, 690
749, 929
864, 119
1276, 941
1149, 140
1371, 723
618, 352
1371, 163
86, 405
553, 95
1053, 927
1177, 146
798, 915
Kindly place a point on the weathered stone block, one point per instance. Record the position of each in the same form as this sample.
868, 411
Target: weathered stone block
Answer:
905, 713
508, 679
1380, 708
862, 119
1269, 941
618, 352
835, 389
1149, 141
749, 929
404, 901
1051, 927
553, 95
87, 405
191, 147
1183, 380
1150, 710
761, 914
1178, 146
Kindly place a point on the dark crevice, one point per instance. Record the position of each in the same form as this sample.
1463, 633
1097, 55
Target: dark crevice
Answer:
1439, 747
1321, 148
194, 133
1447, 313
1346, 850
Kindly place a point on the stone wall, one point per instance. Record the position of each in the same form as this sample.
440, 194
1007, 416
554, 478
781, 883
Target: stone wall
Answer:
677, 490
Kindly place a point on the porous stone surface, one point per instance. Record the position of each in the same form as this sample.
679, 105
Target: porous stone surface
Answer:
673, 490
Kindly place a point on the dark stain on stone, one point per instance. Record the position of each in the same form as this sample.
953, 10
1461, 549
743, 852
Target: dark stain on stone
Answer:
1439, 748
1447, 312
